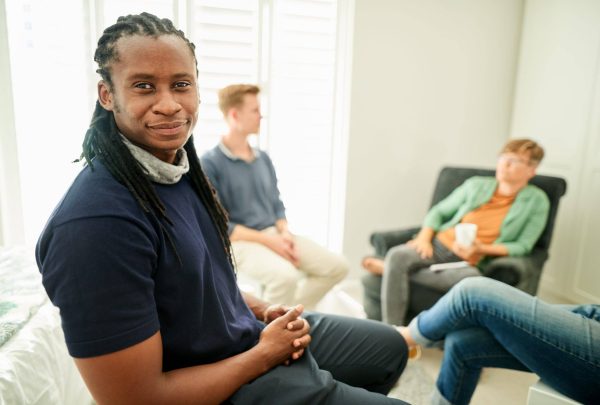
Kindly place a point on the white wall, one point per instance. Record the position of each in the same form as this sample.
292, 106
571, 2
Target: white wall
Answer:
432, 85
558, 98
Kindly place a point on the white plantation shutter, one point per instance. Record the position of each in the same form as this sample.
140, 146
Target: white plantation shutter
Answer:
226, 34
302, 85
288, 47
110, 10
48, 53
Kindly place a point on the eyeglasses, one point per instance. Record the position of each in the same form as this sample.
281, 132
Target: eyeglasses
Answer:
512, 160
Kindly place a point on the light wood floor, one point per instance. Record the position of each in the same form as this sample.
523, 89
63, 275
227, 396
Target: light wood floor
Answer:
496, 386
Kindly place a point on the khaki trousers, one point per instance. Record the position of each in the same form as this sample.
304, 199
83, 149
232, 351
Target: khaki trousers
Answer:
318, 271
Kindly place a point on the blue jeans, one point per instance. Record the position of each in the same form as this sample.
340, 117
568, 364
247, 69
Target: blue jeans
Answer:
486, 323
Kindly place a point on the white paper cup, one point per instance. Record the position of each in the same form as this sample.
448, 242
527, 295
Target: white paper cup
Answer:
465, 233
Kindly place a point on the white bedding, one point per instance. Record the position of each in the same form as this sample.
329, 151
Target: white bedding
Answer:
35, 367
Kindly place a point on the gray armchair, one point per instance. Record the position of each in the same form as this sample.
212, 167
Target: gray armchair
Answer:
521, 272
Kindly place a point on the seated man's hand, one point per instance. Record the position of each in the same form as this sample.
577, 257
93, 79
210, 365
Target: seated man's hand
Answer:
423, 247
287, 235
284, 247
286, 337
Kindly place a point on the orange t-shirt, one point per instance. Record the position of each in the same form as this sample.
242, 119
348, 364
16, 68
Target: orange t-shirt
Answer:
488, 218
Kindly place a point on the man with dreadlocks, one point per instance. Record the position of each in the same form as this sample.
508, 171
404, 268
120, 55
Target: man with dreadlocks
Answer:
292, 268
137, 258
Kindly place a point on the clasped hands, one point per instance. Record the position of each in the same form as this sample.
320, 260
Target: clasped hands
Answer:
284, 245
286, 334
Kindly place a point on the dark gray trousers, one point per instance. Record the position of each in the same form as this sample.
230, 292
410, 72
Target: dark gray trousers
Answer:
349, 361
387, 298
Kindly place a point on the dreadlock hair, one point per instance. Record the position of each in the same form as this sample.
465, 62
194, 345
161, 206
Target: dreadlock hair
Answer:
102, 139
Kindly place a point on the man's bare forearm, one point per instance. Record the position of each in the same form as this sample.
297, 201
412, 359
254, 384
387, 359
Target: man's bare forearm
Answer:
219, 380
256, 305
426, 234
492, 250
241, 232
134, 376
282, 225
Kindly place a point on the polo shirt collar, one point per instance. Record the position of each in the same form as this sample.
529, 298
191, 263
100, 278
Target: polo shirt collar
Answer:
230, 154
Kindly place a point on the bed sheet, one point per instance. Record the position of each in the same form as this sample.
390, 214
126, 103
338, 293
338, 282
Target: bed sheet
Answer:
35, 367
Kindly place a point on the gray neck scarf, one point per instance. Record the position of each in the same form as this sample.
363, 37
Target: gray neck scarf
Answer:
157, 170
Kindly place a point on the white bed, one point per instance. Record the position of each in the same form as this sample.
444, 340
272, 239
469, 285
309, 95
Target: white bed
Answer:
35, 367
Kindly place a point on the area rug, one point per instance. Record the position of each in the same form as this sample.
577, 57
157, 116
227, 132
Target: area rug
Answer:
415, 385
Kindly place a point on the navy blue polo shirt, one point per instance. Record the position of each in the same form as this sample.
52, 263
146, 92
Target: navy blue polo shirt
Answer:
111, 270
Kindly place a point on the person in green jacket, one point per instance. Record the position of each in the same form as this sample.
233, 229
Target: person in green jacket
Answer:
509, 215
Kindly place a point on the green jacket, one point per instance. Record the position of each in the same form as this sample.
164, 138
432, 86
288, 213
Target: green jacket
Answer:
521, 227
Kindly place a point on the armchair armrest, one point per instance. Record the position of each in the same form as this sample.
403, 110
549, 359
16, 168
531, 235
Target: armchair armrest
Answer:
384, 241
520, 272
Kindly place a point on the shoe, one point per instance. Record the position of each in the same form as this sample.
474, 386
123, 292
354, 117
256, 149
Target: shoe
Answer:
414, 352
